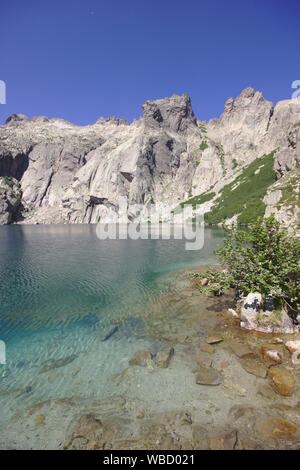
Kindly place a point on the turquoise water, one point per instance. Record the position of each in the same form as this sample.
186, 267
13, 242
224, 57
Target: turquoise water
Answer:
61, 289
59, 275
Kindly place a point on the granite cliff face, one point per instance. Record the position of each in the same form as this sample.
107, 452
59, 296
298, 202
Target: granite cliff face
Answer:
64, 173
10, 199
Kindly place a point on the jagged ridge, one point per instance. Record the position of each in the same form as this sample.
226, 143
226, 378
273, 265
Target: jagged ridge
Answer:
72, 174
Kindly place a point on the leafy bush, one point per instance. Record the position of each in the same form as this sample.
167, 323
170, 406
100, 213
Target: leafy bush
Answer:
263, 259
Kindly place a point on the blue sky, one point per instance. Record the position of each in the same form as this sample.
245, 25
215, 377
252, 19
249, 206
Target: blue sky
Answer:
80, 60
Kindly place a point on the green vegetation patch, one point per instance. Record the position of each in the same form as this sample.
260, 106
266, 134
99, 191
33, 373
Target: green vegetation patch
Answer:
234, 164
203, 145
202, 128
244, 196
194, 201
290, 191
198, 199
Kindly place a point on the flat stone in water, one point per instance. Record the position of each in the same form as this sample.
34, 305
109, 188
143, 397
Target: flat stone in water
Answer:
207, 348
203, 359
240, 350
275, 427
54, 364
208, 376
282, 381
266, 392
141, 358
254, 367
163, 357
214, 339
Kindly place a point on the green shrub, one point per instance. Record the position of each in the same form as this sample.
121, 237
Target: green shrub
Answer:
203, 145
234, 164
263, 259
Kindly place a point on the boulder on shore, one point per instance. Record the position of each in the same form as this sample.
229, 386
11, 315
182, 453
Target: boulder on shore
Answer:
254, 318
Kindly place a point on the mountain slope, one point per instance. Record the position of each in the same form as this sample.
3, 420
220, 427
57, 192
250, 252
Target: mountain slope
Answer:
72, 174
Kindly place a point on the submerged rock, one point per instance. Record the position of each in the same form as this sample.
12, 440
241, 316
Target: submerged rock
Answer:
163, 357
282, 381
275, 427
271, 356
254, 367
240, 350
203, 359
208, 376
141, 358
233, 390
214, 339
55, 364
207, 348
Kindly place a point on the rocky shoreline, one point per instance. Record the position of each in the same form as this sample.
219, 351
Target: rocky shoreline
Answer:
209, 385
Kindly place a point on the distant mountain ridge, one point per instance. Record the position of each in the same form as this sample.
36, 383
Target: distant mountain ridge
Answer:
52, 171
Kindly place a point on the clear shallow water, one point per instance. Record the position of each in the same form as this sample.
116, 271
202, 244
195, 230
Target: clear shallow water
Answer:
61, 290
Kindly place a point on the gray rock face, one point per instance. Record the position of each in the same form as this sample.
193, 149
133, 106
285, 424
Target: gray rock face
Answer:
174, 114
74, 174
10, 200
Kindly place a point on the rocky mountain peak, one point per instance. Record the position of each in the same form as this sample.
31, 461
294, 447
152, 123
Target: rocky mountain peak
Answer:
112, 120
16, 118
73, 174
174, 113
249, 99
